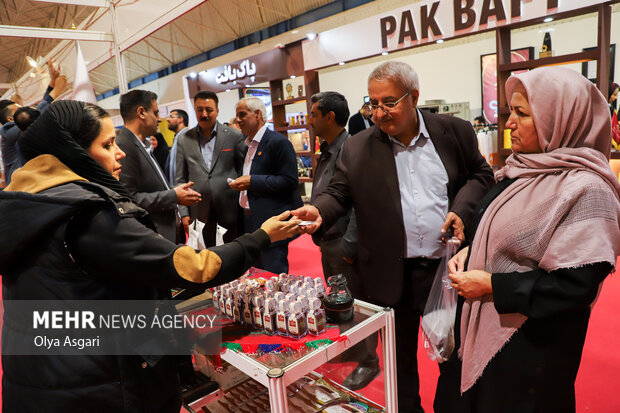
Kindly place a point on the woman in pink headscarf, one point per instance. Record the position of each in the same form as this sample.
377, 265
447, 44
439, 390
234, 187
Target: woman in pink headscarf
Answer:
547, 236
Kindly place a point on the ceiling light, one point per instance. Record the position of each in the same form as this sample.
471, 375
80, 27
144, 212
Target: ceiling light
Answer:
341, 63
384, 53
440, 41
32, 74
548, 19
295, 31
192, 75
293, 76
228, 90
311, 36
202, 73
31, 61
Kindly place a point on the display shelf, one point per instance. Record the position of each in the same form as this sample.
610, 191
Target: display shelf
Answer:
550, 61
615, 155
288, 128
368, 320
288, 101
505, 67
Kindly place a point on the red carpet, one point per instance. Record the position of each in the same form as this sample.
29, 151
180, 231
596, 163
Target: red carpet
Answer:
598, 381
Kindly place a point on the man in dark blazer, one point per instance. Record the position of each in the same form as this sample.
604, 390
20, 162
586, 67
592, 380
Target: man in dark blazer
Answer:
208, 155
411, 179
269, 182
141, 173
360, 121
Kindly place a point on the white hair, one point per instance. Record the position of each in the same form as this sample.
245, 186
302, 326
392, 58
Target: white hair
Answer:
254, 104
399, 71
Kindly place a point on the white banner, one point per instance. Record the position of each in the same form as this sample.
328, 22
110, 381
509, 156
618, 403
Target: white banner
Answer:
425, 22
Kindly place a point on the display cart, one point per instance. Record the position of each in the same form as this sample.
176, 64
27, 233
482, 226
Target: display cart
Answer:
368, 319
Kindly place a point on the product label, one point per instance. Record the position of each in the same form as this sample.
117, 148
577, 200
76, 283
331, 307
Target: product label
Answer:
293, 327
257, 318
312, 325
267, 323
282, 323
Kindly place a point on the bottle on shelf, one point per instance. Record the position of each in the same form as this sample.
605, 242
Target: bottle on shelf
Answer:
248, 308
316, 318
216, 300
283, 317
270, 317
230, 303
297, 321
257, 312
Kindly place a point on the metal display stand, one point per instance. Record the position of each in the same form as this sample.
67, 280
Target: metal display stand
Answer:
276, 379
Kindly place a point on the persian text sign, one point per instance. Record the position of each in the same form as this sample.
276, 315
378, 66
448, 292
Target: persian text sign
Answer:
424, 22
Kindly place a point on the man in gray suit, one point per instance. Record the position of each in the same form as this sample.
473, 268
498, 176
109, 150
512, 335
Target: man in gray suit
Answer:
209, 155
141, 174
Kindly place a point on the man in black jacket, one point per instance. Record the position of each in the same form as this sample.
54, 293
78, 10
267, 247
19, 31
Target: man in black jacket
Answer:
141, 174
361, 120
410, 178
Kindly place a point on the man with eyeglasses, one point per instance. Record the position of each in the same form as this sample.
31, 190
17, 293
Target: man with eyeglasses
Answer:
209, 155
413, 179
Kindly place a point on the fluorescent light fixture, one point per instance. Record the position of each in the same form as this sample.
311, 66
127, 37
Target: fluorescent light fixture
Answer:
384, 53
440, 41
311, 36
548, 19
341, 63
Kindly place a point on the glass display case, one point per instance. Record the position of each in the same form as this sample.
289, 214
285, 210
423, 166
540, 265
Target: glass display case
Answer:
276, 379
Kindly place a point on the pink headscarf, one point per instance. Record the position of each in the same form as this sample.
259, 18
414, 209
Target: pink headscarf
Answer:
562, 212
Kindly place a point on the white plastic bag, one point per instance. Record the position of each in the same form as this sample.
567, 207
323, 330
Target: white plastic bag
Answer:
195, 238
440, 311
219, 235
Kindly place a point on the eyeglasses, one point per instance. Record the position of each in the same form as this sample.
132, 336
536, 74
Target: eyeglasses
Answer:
387, 107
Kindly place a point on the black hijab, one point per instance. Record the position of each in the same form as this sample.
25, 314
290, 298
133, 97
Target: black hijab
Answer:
54, 133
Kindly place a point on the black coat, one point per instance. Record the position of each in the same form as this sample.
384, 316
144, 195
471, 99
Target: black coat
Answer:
76, 240
356, 124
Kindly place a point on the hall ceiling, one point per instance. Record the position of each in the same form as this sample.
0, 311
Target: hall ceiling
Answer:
206, 26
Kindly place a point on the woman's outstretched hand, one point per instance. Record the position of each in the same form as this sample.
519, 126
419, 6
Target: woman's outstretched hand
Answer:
278, 229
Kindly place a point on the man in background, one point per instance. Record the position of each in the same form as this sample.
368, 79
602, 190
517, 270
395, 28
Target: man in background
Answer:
328, 117
269, 181
141, 174
209, 155
177, 123
479, 123
361, 120
24, 117
11, 157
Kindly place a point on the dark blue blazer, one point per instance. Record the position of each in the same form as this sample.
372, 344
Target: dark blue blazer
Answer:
274, 183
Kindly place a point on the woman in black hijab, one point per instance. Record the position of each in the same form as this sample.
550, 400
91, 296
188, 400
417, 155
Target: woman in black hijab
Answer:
70, 232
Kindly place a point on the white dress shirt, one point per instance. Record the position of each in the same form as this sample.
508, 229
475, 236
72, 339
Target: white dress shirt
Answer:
252, 145
422, 181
